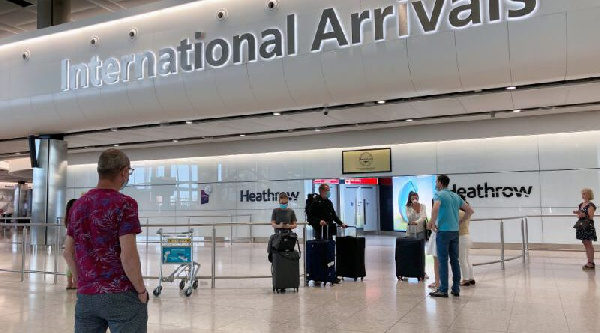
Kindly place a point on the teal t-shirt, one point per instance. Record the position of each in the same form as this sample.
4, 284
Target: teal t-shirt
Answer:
450, 203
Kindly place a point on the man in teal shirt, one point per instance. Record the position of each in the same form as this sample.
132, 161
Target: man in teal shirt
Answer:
446, 205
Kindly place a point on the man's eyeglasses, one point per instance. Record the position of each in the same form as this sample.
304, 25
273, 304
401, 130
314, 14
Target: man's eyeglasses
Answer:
131, 170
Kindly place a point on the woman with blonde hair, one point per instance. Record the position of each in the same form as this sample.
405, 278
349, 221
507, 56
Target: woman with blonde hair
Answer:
585, 230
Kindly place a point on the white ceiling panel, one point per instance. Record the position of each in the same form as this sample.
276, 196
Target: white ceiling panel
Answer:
539, 97
487, 102
438, 107
585, 93
358, 115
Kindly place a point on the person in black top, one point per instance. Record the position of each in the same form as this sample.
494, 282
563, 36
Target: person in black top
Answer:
321, 214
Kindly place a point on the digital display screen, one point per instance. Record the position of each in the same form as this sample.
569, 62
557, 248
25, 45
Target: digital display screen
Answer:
402, 186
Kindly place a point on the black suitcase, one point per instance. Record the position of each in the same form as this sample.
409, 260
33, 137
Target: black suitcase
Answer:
286, 270
320, 261
410, 258
351, 257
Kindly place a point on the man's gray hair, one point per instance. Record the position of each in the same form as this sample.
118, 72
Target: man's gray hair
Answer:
111, 162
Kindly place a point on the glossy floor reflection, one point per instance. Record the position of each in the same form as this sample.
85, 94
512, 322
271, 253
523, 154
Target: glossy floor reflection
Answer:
550, 294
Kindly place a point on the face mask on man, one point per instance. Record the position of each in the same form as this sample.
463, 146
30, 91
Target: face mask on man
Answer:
124, 184
327, 194
283, 206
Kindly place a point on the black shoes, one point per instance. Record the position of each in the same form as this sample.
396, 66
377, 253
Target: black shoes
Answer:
337, 281
438, 293
455, 294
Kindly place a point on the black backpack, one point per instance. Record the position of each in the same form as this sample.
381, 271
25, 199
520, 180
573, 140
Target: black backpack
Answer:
285, 241
310, 199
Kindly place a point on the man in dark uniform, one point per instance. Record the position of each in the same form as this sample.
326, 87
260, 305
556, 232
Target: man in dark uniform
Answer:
321, 214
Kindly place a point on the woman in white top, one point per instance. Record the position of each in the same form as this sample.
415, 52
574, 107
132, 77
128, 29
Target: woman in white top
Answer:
416, 214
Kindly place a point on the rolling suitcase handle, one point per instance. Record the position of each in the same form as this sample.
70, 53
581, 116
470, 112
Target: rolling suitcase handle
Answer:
322, 232
349, 227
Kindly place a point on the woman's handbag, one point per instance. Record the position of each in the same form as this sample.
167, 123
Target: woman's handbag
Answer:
583, 223
428, 231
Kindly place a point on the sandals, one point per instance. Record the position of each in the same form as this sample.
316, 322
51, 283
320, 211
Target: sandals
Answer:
590, 266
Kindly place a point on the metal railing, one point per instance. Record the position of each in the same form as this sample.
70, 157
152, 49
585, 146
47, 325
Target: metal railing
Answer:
524, 240
25, 245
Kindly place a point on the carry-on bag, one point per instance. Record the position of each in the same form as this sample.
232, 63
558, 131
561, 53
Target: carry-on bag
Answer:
286, 270
410, 258
350, 255
320, 260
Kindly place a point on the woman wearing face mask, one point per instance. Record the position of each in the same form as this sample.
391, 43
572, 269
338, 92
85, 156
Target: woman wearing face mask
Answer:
417, 215
586, 232
283, 218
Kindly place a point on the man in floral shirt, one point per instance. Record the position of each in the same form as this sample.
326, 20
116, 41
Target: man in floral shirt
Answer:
101, 251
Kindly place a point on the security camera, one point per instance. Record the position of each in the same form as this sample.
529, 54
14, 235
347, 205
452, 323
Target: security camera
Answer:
272, 4
133, 33
222, 15
95, 40
326, 112
26, 55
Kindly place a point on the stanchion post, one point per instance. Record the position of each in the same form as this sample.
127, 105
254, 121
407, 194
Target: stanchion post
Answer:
304, 250
214, 257
231, 229
527, 236
147, 233
57, 249
23, 253
502, 243
523, 239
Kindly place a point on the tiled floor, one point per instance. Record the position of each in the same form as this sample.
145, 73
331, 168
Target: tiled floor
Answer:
550, 294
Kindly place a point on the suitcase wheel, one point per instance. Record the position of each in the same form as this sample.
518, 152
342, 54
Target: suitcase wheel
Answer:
355, 279
362, 279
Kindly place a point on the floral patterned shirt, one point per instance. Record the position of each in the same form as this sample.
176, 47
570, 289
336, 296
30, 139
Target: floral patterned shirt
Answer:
96, 221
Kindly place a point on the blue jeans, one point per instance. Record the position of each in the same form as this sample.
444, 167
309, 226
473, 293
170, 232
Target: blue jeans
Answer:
447, 246
122, 313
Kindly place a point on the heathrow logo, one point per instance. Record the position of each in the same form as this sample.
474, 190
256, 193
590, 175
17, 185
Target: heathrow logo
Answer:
200, 53
486, 191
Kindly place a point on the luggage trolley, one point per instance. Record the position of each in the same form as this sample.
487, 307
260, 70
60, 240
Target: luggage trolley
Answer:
177, 248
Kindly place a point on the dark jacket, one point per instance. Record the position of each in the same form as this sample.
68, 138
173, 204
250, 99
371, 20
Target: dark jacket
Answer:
322, 209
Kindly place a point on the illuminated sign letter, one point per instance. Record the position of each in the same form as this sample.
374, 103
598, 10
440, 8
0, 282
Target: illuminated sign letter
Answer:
380, 18
250, 40
184, 49
357, 23
167, 61
429, 24
149, 59
211, 50
329, 18
271, 48
528, 8
111, 71
291, 34
474, 17
78, 76
94, 66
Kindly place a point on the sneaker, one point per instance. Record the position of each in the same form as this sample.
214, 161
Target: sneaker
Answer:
455, 293
438, 293
337, 281
472, 282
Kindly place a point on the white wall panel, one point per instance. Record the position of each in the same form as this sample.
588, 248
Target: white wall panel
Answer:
570, 151
234, 86
266, 82
538, 50
493, 155
482, 56
344, 75
304, 77
433, 63
414, 159
562, 189
583, 42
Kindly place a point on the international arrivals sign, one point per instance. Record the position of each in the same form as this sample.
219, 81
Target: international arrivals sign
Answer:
200, 53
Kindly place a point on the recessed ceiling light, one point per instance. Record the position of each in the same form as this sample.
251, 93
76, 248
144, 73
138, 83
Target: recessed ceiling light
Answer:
189, 122
113, 129
409, 120
516, 111
317, 130
175, 140
116, 145
17, 154
277, 113
511, 88
380, 102
242, 135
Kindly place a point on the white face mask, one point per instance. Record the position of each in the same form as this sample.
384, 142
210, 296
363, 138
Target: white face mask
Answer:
415, 201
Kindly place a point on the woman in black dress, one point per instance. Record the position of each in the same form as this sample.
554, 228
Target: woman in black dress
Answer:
586, 232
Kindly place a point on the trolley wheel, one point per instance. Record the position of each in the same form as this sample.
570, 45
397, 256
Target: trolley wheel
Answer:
195, 284
182, 284
188, 291
362, 279
355, 279
157, 291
